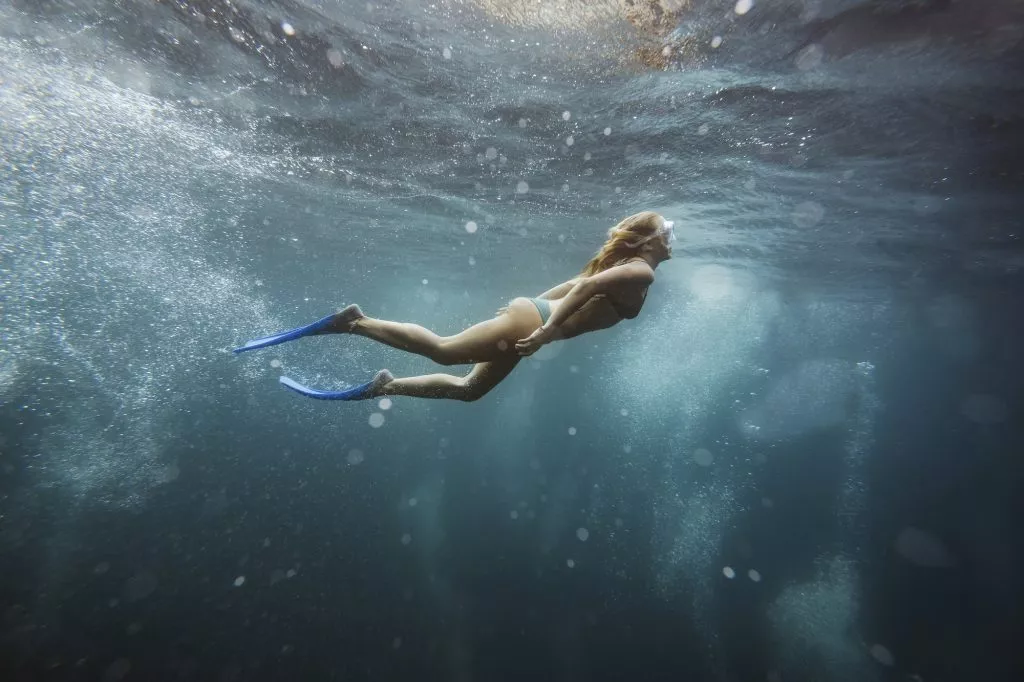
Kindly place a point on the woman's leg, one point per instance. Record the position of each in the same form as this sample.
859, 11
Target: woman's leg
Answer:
486, 341
473, 386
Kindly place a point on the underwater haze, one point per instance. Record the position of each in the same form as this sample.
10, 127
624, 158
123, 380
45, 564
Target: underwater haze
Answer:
800, 462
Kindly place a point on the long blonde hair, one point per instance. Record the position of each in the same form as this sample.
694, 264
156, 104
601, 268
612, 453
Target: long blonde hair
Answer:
622, 241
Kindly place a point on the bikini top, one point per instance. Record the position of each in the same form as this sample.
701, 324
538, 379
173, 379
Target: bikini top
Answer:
617, 306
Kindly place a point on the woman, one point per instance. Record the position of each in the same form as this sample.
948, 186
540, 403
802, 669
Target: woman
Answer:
612, 287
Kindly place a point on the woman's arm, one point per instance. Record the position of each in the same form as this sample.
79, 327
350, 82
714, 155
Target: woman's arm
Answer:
585, 288
560, 291
582, 291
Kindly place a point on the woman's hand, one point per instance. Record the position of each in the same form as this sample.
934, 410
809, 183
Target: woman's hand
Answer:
533, 342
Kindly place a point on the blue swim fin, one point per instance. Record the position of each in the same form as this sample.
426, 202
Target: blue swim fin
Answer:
361, 392
349, 314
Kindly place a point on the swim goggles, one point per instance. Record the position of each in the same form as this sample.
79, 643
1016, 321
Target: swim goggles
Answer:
667, 229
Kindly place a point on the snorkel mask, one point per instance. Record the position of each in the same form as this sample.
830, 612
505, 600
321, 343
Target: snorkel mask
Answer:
668, 230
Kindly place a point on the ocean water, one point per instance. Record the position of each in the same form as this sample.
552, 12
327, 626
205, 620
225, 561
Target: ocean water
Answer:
800, 462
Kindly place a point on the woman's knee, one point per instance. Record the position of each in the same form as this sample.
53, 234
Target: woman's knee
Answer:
472, 391
443, 354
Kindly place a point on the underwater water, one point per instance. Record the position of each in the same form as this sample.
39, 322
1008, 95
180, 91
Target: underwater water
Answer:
800, 462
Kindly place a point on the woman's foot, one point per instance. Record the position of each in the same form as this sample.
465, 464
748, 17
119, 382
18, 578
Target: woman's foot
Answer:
378, 386
345, 321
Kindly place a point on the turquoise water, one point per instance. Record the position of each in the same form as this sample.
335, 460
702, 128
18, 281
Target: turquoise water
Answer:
796, 463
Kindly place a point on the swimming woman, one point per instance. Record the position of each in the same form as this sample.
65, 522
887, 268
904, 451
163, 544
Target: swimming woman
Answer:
612, 287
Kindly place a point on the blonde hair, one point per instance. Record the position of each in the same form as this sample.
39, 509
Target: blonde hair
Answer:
624, 241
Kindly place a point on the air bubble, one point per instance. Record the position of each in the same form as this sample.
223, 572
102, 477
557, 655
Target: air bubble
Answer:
728, 572
982, 408
376, 420
117, 670
582, 534
471, 227
743, 6
703, 457
239, 581
808, 214
810, 57
446, 53
522, 187
923, 549
287, 29
882, 655
566, 115
140, 586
